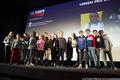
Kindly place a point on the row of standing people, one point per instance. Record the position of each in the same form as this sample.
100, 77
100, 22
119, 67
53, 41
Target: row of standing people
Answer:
31, 50
90, 48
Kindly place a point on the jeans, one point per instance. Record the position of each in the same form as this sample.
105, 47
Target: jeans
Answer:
31, 55
82, 55
92, 56
23, 55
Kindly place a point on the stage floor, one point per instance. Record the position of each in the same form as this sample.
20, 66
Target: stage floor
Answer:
21, 72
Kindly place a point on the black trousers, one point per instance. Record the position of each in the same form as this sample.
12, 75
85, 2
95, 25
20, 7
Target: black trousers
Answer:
69, 58
61, 54
39, 56
54, 53
77, 63
82, 55
7, 53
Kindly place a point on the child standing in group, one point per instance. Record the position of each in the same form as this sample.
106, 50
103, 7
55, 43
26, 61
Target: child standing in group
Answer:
31, 47
40, 49
69, 51
16, 47
74, 46
8, 42
107, 50
99, 47
91, 48
54, 50
24, 49
48, 46
82, 48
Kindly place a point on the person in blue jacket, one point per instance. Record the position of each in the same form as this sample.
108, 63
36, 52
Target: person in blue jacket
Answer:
82, 48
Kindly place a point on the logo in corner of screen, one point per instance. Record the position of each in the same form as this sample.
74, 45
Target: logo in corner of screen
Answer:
38, 13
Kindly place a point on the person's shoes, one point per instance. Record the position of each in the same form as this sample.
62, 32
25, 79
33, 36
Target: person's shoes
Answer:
57, 66
86, 66
80, 66
115, 68
27, 64
52, 64
31, 64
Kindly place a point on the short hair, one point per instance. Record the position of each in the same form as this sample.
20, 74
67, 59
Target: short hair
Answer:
42, 36
88, 30
101, 31
81, 31
45, 32
95, 31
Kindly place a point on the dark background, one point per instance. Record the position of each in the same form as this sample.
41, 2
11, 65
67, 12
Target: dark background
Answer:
13, 16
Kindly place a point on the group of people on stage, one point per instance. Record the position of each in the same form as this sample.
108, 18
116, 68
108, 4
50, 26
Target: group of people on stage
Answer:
36, 49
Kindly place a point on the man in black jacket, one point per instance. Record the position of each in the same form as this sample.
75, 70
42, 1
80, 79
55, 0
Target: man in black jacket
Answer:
62, 48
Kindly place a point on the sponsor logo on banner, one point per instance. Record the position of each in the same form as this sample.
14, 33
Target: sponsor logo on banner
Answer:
38, 13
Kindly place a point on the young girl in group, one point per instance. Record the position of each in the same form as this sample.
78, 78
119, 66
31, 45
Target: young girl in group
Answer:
32, 49
48, 46
40, 49
69, 51
16, 49
8, 42
54, 50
